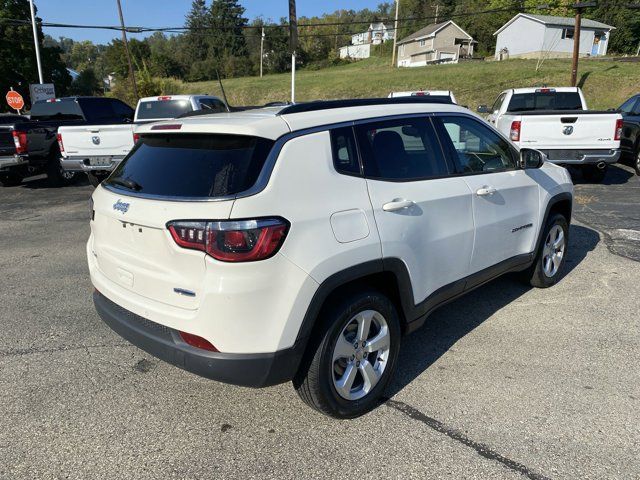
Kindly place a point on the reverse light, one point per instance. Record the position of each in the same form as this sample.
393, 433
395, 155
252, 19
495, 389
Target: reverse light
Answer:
196, 341
60, 144
516, 127
619, 125
20, 141
232, 241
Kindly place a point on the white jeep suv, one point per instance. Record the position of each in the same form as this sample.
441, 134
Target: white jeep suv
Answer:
301, 242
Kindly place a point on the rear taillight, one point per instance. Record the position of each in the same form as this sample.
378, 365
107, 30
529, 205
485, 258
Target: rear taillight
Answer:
20, 141
60, 144
136, 137
619, 125
232, 241
515, 131
196, 341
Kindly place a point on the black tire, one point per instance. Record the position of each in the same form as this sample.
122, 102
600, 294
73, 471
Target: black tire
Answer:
316, 381
636, 161
56, 176
537, 275
593, 174
96, 178
10, 179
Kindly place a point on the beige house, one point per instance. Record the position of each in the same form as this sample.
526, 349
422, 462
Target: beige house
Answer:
442, 42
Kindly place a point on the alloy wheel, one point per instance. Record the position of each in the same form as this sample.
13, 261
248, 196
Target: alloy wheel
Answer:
553, 252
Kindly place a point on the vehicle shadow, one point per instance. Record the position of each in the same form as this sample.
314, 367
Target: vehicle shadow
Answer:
616, 175
452, 322
41, 181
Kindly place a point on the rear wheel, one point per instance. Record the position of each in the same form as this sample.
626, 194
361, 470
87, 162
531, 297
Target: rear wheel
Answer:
636, 161
57, 176
591, 173
355, 358
551, 255
10, 179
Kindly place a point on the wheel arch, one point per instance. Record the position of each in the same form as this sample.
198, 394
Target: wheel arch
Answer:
561, 203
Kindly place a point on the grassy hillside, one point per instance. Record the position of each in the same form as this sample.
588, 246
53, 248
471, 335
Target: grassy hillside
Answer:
606, 83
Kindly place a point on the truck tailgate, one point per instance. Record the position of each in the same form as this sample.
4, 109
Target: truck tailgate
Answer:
97, 140
579, 130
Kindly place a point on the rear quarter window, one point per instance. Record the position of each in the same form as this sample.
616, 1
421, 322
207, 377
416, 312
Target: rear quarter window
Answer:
192, 165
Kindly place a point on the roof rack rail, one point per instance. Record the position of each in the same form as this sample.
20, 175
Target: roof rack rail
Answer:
359, 102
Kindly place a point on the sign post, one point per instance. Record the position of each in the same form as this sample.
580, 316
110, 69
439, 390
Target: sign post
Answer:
15, 100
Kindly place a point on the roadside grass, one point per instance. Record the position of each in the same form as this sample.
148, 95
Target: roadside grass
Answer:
606, 83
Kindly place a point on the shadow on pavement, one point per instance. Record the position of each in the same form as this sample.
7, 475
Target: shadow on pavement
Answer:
616, 175
450, 323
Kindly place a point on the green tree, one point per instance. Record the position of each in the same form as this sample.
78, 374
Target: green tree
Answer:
87, 83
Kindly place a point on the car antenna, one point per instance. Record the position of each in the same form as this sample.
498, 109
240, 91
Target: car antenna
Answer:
224, 95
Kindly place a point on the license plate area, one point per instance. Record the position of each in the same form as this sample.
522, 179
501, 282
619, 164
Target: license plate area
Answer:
98, 161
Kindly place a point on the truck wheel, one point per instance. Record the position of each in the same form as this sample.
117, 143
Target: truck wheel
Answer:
349, 367
636, 161
551, 255
56, 176
96, 178
591, 173
10, 179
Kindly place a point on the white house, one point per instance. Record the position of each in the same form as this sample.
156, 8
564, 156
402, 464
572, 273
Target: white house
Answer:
535, 36
444, 42
376, 34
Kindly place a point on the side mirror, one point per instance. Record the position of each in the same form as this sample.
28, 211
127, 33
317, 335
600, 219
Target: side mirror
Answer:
483, 109
530, 158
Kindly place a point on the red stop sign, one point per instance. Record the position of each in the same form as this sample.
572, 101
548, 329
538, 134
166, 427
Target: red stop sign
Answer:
15, 100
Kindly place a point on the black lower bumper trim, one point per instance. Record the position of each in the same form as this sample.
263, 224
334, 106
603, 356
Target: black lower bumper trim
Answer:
249, 370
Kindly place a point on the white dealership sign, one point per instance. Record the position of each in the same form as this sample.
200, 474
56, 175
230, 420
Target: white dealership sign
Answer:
41, 91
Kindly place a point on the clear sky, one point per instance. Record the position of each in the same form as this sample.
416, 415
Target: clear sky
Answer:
164, 13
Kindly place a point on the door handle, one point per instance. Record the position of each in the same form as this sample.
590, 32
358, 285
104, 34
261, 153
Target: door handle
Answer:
397, 204
484, 191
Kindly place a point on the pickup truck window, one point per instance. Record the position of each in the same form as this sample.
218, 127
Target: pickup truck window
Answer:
522, 102
163, 109
57, 110
628, 106
104, 109
192, 165
498, 103
477, 149
213, 105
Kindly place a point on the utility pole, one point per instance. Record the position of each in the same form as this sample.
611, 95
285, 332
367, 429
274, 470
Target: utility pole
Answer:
576, 39
261, 50
395, 35
293, 41
132, 74
35, 40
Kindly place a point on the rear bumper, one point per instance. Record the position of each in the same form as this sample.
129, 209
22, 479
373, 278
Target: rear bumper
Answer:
577, 157
81, 164
250, 370
11, 161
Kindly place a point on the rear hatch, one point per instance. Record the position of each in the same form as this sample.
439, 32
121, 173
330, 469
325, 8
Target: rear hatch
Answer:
582, 130
169, 177
98, 141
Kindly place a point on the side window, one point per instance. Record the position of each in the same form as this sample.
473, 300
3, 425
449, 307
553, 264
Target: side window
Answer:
345, 154
122, 109
404, 150
477, 148
498, 103
627, 107
212, 104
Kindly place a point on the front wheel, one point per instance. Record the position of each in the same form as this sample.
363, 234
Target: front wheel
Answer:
355, 358
551, 254
636, 161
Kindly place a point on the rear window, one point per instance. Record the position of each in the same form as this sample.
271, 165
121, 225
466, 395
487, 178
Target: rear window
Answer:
163, 109
522, 102
192, 165
58, 110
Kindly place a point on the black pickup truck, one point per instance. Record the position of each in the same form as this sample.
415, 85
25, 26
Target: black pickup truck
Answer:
630, 141
10, 161
36, 140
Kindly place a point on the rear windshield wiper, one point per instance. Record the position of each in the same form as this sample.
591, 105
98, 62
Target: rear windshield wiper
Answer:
125, 182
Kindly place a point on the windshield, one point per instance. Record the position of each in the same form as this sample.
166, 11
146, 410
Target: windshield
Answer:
522, 102
192, 165
56, 110
163, 109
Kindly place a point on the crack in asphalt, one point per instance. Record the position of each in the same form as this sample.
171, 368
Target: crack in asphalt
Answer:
30, 351
480, 448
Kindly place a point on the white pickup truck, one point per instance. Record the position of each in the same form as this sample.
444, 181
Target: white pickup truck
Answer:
557, 122
97, 149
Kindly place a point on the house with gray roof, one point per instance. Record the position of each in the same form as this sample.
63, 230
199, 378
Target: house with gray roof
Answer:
545, 36
443, 42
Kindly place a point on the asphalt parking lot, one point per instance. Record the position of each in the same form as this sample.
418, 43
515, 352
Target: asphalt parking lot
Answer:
508, 382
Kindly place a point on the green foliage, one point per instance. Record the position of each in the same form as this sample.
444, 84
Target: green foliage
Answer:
87, 83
